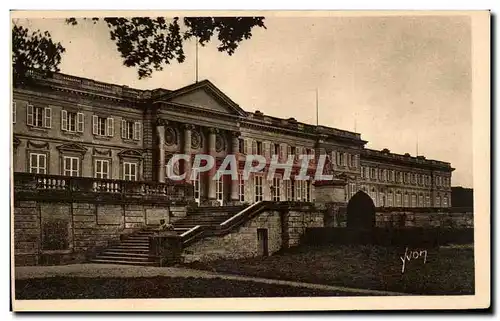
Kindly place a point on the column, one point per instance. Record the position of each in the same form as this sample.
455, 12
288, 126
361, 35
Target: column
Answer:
160, 130
187, 150
235, 144
211, 151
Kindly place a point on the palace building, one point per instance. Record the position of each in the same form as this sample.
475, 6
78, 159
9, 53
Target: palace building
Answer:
71, 126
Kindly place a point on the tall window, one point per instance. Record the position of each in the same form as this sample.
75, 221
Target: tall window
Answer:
71, 121
131, 129
39, 116
308, 197
258, 188
130, 171
413, 200
290, 190
390, 201
398, 199
71, 166
102, 126
276, 189
406, 200
276, 149
101, 168
445, 201
373, 173
241, 187
438, 201
241, 146
260, 150
38, 163
421, 200
352, 160
427, 201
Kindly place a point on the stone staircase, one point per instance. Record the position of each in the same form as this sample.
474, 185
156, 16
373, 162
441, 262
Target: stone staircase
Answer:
134, 248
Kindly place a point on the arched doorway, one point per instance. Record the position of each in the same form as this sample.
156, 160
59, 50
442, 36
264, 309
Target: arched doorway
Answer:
361, 211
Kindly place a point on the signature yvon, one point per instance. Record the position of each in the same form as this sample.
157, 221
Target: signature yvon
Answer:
409, 255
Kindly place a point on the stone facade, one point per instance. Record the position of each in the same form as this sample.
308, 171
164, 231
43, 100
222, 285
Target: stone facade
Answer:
67, 125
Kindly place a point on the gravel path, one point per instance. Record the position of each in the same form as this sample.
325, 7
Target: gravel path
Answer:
110, 270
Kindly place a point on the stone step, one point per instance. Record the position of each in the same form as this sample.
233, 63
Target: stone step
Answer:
122, 257
127, 250
132, 248
123, 254
104, 261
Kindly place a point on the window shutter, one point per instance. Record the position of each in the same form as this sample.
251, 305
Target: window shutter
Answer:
64, 120
29, 115
124, 128
137, 130
48, 117
110, 127
14, 112
80, 122
95, 125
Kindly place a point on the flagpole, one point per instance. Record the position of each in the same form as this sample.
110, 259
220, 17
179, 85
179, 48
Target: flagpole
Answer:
196, 39
317, 108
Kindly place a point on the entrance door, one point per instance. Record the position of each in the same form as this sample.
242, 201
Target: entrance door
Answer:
196, 185
219, 191
262, 241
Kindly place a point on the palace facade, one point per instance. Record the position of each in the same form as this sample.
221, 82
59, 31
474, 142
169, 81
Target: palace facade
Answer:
72, 126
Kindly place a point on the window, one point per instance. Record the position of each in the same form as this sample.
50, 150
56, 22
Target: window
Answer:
308, 191
413, 200
276, 189
427, 201
381, 199
290, 190
438, 202
130, 171
39, 116
14, 112
373, 173
363, 175
399, 177
406, 200
445, 201
398, 199
254, 147
71, 166
241, 146
352, 189
393, 175
352, 160
421, 200
258, 188
259, 148
101, 168
276, 149
413, 178
102, 126
241, 188
292, 150
131, 130
390, 199
38, 163
71, 121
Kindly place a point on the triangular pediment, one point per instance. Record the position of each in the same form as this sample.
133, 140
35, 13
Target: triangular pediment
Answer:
205, 95
72, 147
130, 153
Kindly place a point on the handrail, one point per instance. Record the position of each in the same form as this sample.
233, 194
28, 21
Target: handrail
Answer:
190, 230
240, 213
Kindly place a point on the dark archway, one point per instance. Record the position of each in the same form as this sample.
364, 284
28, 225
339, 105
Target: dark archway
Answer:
361, 211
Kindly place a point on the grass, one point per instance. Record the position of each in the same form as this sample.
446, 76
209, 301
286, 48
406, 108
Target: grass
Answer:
155, 287
446, 271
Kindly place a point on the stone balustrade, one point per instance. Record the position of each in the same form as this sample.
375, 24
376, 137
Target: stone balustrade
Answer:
54, 185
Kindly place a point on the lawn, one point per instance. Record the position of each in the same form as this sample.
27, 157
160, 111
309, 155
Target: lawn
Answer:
155, 287
446, 271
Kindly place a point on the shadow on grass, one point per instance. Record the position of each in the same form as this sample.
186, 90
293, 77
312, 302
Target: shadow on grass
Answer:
156, 287
445, 272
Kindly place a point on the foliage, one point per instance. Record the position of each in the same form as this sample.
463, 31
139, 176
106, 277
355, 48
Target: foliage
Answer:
35, 50
149, 43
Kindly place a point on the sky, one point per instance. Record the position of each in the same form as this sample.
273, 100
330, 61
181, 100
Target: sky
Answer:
399, 81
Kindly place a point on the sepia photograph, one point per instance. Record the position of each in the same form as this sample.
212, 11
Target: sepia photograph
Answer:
301, 157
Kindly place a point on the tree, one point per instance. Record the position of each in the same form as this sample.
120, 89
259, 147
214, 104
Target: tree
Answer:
32, 51
145, 43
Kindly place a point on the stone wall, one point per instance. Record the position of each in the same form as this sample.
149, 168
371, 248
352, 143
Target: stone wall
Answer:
298, 221
56, 232
415, 218
240, 243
